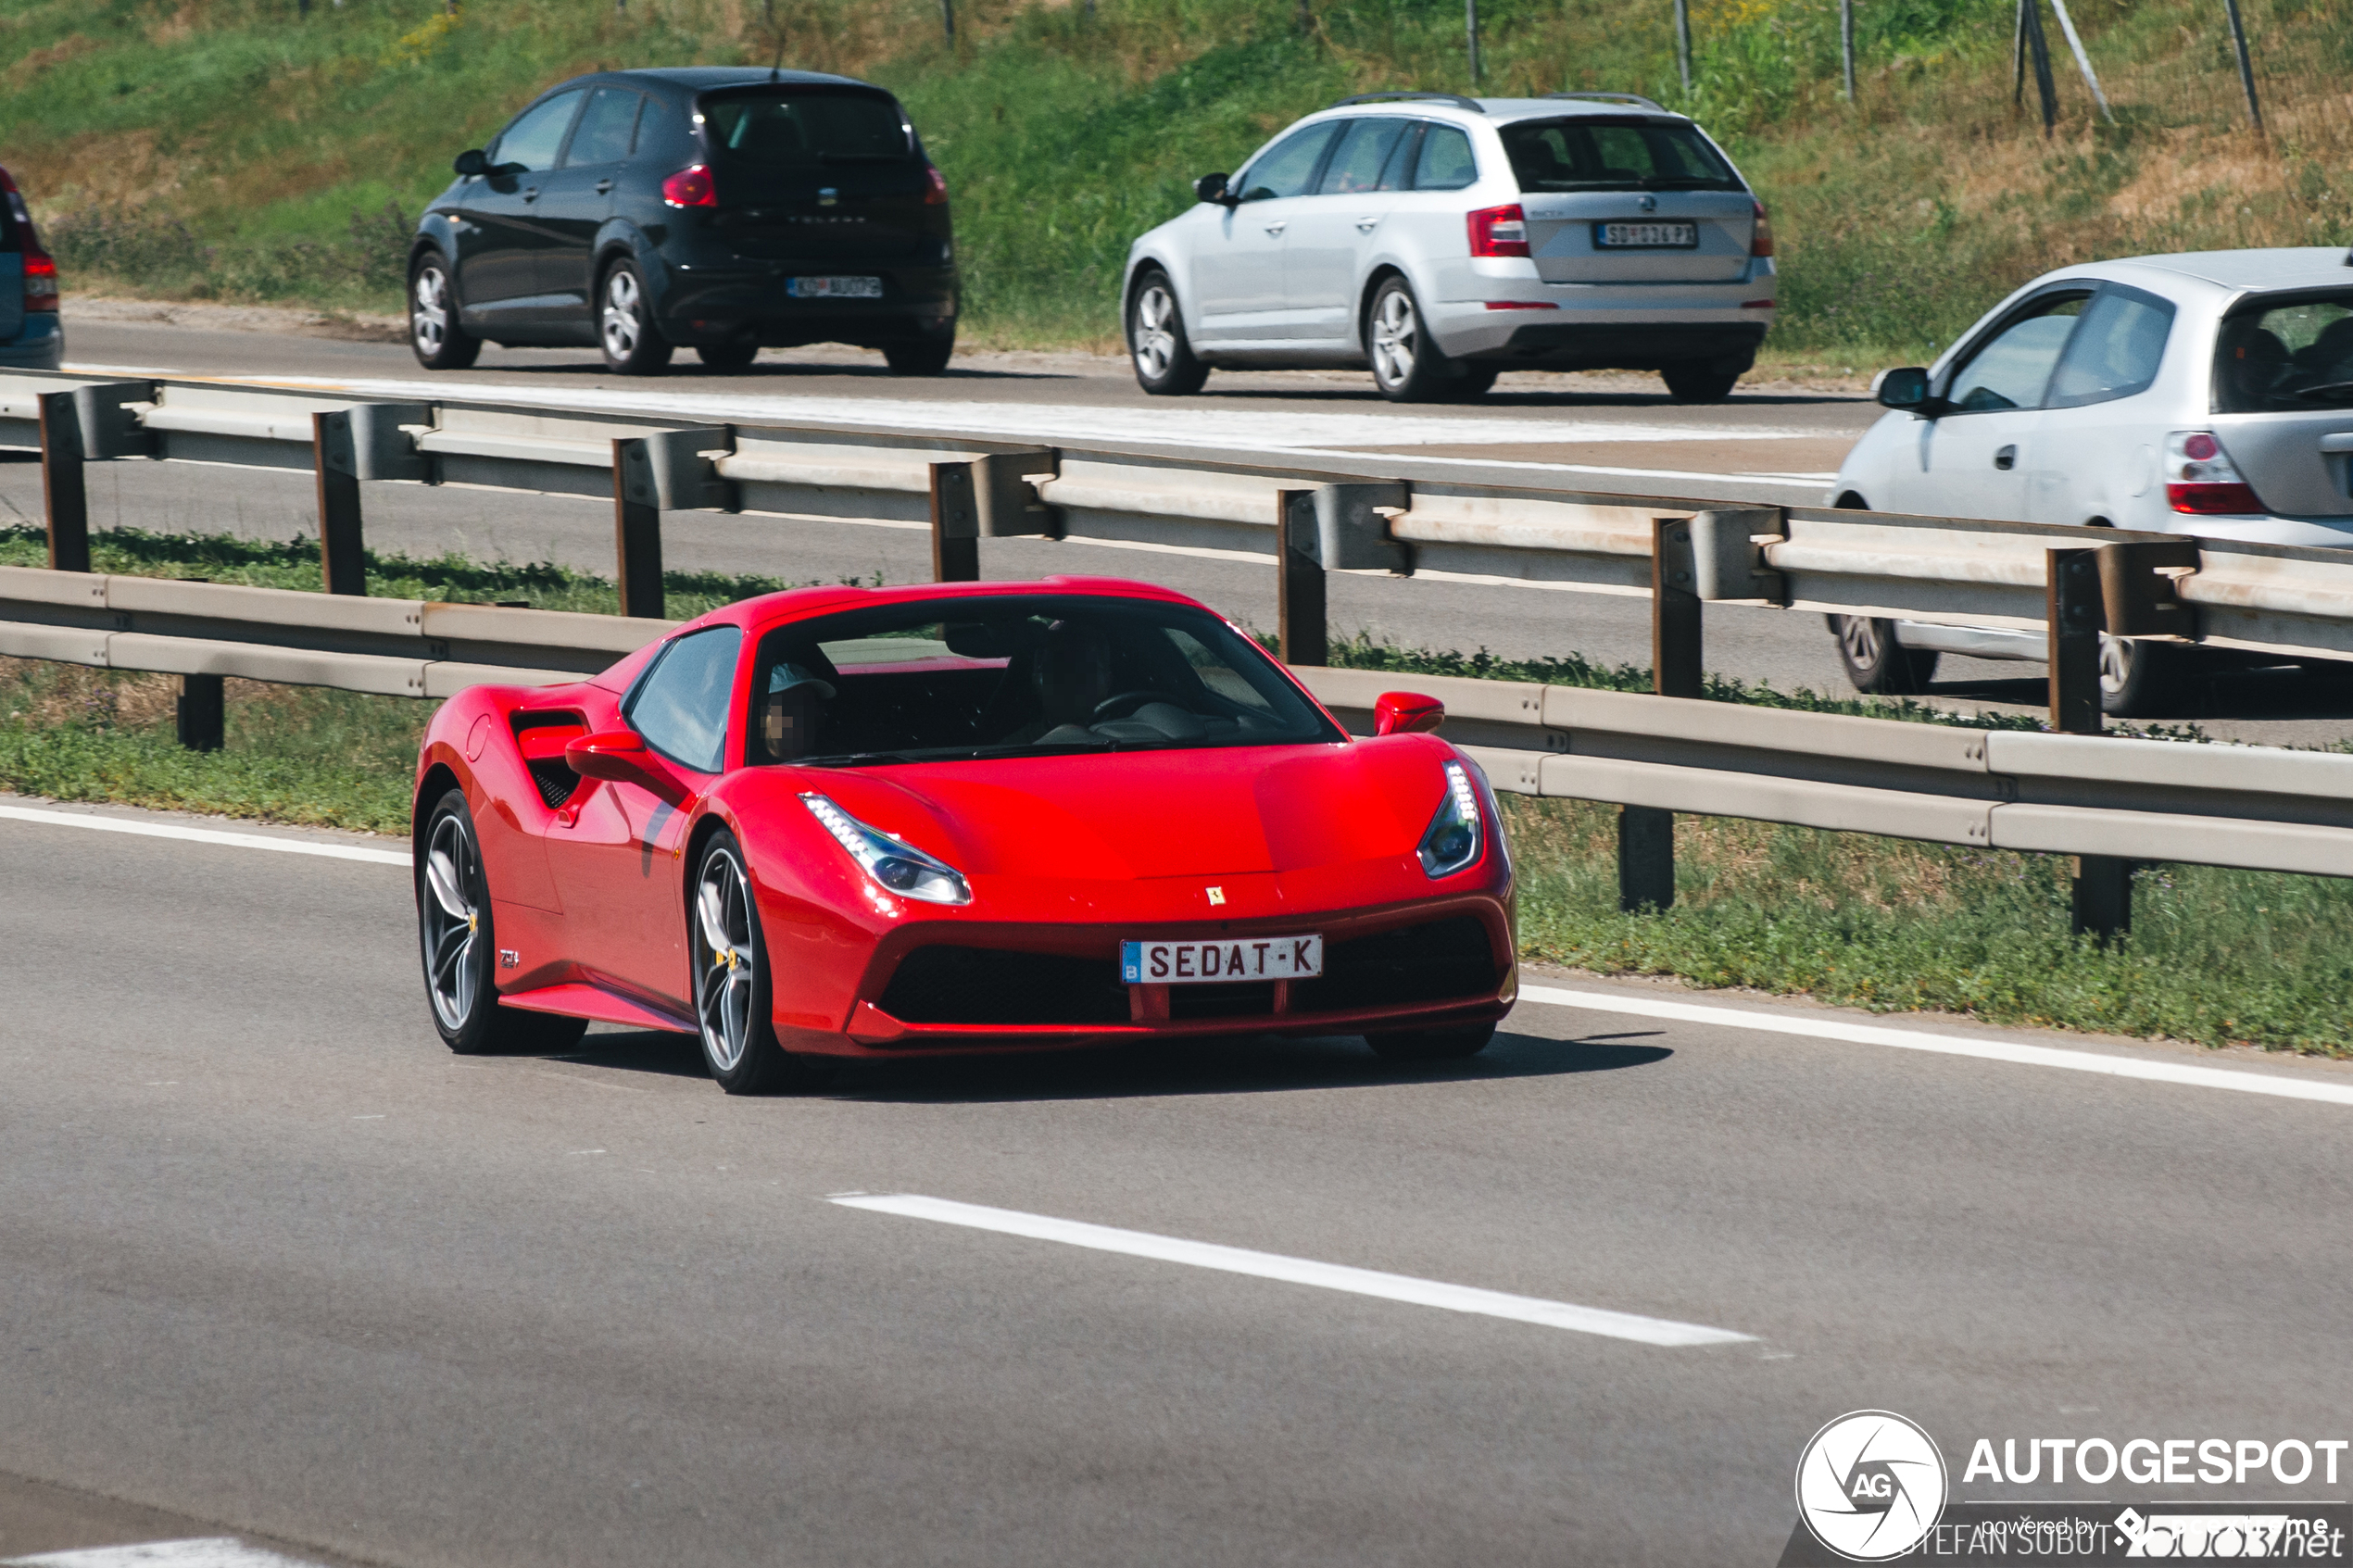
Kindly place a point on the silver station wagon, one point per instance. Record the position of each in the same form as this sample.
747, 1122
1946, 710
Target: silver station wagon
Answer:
2207, 393
1443, 240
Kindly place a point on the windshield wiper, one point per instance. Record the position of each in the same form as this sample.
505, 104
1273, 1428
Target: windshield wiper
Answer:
2325, 390
864, 157
851, 759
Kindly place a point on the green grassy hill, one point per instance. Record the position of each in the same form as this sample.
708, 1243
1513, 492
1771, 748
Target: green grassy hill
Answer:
263, 149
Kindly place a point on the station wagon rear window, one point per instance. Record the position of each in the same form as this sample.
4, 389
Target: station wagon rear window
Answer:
1606, 152
794, 128
2278, 354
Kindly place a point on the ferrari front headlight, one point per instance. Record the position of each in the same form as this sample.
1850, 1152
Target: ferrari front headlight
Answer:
1458, 833
896, 868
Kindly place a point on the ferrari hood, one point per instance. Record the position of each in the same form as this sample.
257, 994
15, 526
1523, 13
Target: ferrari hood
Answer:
1157, 814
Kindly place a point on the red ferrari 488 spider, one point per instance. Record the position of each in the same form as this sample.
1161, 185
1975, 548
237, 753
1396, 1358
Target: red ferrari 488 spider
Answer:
888, 823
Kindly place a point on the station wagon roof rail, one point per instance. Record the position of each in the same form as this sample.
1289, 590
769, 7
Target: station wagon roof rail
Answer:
1615, 99
1455, 98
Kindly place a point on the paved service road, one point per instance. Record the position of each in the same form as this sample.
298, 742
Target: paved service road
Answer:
277, 1262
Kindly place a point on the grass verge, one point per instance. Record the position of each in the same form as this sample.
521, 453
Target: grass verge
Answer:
2216, 957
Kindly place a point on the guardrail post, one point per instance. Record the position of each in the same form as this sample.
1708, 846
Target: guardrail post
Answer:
64, 495
2073, 611
2139, 593
1646, 834
1303, 627
342, 553
955, 524
636, 530
2100, 903
203, 712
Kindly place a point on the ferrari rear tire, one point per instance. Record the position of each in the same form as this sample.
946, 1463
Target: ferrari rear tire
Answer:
459, 946
1432, 1044
734, 996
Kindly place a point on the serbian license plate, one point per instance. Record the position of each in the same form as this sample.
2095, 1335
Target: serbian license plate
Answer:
1194, 963
834, 288
1645, 236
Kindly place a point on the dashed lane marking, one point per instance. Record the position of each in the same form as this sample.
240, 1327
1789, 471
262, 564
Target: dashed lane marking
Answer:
1298, 1270
218, 1551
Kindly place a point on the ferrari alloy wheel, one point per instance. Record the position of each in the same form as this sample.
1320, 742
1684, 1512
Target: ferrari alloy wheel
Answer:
454, 930
440, 343
1165, 364
732, 995
633, 344
1432, 1044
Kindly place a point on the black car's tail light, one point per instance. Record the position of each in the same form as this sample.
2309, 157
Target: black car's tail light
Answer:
934, 187
691, 186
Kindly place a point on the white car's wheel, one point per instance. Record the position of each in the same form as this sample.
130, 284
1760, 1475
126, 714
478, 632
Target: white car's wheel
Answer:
1165, 364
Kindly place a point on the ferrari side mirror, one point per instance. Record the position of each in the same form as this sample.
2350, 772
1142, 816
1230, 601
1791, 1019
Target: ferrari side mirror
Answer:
619, 756
1407, 713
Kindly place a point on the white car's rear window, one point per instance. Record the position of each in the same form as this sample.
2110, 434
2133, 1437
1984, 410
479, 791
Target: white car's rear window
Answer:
1598, 153
2285, 353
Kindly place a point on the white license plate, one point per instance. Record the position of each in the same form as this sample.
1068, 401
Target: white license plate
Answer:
834, 288
1196, 963
1645, 236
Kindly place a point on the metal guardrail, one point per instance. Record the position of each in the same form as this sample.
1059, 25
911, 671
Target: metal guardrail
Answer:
1654, 755
2295, 603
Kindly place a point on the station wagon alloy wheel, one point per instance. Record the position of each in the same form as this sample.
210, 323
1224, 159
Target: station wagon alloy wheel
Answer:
1165, 364
1156, 345
1397, 338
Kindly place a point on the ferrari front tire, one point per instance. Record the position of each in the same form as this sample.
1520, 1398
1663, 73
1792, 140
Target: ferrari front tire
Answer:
454, 930
734, 995
1432, 1044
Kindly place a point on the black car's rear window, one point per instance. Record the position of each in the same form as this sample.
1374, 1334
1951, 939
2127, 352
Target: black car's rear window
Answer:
794, 128
2280, 352
1607, 153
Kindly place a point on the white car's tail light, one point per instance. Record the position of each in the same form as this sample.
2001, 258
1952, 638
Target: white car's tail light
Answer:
898, 868
2200, 478
1499, 231
1760, 240
1457, 833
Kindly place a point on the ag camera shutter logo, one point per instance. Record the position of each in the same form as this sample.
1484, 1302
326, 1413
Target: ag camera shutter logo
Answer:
1870, 1485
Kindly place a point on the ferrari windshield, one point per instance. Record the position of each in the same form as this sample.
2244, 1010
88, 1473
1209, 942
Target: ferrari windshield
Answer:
1020, 675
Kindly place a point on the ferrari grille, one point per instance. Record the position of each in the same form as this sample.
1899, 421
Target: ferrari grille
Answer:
1430, 963
1434, 961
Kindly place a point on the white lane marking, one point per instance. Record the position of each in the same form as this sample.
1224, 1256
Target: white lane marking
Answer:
222, 1551
2282, 1085
204, 835
1297, 1271
1228, 426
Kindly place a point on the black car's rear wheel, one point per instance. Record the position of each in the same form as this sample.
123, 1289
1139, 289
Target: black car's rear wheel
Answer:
460, 945
1699, 384
735, 354
925, 355
734, 1001
434, 336
632, 343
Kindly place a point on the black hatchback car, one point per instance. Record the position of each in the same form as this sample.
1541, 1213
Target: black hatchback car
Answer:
714, 207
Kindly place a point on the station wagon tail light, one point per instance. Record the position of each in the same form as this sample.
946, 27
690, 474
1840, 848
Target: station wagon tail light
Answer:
1761, 240
896, 867
2200, 478
1456, 832
934, 187
690, 187
1499, 231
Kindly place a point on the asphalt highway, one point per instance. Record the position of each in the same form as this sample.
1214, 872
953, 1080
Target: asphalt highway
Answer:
1616, 433
280, 1267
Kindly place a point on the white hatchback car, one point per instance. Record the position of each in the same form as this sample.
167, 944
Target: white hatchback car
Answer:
1443, 240
2207, 393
